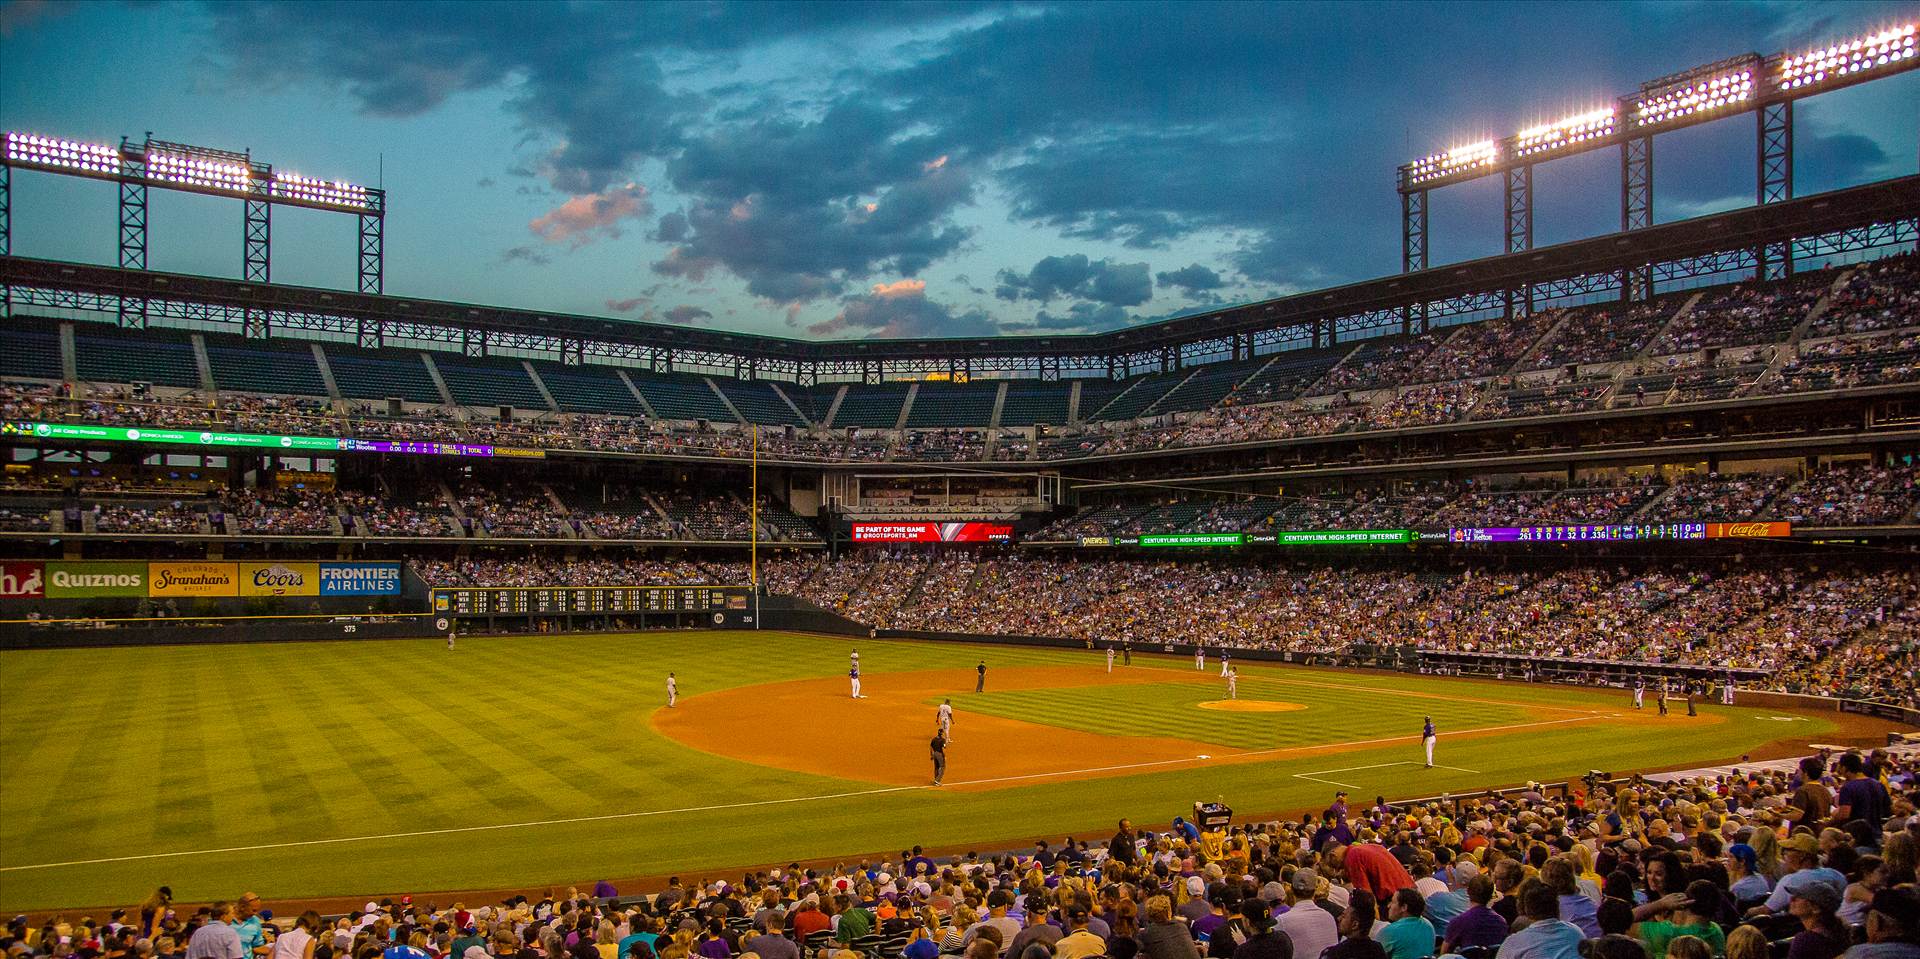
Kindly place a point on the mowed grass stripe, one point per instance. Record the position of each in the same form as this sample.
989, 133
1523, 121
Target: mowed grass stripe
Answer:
496, 699
1172, 710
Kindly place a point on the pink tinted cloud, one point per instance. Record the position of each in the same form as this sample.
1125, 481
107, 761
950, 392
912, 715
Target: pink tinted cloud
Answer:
591, 216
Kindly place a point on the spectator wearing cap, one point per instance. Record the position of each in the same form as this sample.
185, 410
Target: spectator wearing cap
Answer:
998, 902
1746, 882
1079, 942
1250, 935
1546, 936
1408, 934
1196, 904
1310, 928
1037, 930
1800, 855
1822, 935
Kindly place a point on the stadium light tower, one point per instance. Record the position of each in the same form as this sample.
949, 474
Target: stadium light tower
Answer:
160, 164
1767, 86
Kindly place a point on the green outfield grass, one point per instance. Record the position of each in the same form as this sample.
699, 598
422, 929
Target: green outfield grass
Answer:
317, 769
1173, 709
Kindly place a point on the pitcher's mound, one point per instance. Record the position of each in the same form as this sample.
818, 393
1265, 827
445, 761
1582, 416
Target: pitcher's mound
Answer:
1251, 706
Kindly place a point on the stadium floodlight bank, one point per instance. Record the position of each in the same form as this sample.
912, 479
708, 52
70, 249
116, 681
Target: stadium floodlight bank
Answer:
1766, 86
166, 165
1708, 92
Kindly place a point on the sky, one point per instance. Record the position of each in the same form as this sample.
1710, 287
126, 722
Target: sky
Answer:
843, 170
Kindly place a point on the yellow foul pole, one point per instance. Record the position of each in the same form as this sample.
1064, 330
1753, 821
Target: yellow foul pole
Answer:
753, 516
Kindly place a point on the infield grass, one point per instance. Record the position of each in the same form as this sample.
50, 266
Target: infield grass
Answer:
360, 768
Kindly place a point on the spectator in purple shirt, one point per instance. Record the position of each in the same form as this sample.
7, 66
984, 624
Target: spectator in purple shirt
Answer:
1479, 925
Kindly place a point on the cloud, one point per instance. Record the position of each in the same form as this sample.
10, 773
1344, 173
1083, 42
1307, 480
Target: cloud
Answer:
525, 254
901, 309
484, 182
1103, 281
1194, 278
1078, 318
17, 15
629, 304
800, 208
686, 314
583, 219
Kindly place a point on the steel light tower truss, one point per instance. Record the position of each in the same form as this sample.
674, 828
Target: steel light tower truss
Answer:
1749, 82
159, 164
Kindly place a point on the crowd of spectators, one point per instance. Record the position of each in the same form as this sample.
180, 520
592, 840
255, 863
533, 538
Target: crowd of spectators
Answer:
1881, 295
176, 516
1744, 315
1815, 861
1875, 299
1744, 614
301, 511
1849, 494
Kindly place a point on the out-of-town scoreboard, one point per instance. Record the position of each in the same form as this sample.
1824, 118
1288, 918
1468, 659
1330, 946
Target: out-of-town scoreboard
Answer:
587, 600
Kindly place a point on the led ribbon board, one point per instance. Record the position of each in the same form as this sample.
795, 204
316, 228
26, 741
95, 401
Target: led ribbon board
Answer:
336, 444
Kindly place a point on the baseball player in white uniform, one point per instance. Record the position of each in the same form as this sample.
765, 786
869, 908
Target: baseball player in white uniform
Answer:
1639, 691
945, 715
1199, 657
1233, 684
1226, 662
854, 675
1109, 659
1427, 738
673, 691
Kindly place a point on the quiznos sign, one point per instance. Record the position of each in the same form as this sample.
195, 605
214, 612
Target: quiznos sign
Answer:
34, 580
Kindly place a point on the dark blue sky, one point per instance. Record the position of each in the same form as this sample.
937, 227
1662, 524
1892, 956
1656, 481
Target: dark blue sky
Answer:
857, 169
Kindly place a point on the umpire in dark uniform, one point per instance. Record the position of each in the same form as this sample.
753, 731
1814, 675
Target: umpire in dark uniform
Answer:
980, 686
938, 749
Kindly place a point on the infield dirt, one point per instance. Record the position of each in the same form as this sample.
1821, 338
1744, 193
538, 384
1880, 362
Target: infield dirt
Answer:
812, 726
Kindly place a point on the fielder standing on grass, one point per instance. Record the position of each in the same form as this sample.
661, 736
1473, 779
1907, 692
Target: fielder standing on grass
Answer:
673, 691
944, 715
1109, 658
1639, 691
1426, 739
980, 685
1233, 684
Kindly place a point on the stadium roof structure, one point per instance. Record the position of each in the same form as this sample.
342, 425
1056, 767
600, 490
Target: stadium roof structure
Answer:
1726, 246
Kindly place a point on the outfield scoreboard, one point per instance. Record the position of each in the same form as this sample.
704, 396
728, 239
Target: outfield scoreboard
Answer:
587, 600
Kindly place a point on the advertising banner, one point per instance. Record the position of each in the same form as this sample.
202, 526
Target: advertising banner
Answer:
22, 581
193, 579
1315, 537
94, 580
359, 579
1193, 539
279, 579
969, 532
1748, 530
